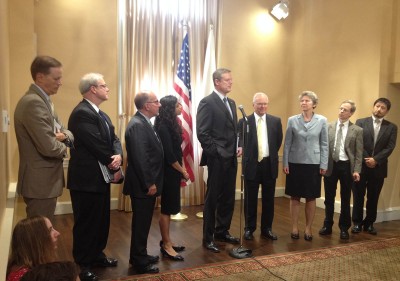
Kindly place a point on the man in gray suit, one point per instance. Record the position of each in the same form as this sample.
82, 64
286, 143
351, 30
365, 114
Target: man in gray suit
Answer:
344, 165
42, 140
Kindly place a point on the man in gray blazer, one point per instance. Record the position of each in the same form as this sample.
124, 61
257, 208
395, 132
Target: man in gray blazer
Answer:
344, 165
379, 141
42, 140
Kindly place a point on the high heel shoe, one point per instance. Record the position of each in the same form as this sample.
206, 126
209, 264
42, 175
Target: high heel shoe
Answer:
294, 235
308, 237
176, 248
174, 258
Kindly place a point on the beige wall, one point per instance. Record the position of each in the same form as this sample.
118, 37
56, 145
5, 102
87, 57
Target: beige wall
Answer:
340, 53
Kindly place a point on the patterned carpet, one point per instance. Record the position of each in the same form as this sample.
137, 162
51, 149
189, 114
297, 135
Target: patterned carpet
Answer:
370, 260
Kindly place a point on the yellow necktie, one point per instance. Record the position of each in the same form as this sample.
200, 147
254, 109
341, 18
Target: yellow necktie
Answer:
260, 139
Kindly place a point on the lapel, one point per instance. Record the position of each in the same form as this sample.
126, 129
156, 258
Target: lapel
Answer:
332, 134
384, 126
349, 135
253, 129
104, 131
369, 128
150, 129
37, 91
222, 106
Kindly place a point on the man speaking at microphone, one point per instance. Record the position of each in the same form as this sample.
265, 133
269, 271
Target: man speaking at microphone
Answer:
264, 138
217, 133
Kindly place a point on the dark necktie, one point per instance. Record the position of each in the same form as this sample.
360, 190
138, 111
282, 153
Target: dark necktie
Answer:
338, 143
227, 106
102, 115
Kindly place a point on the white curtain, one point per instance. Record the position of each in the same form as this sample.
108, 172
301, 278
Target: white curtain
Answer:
150, 36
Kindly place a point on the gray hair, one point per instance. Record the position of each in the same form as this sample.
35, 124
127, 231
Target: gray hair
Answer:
313, 96
256, 95
88, 80
352, 104
217, 75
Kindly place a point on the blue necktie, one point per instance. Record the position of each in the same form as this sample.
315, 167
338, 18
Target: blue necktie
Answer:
102, 115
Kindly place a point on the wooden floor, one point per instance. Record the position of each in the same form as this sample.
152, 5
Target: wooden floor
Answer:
189, 233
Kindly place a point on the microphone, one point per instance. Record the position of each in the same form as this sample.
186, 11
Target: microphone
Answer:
243, 113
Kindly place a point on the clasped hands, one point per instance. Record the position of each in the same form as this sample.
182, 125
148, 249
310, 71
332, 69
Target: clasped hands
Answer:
116, 163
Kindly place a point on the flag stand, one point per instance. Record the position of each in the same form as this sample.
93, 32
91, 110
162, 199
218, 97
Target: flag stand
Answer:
179, 217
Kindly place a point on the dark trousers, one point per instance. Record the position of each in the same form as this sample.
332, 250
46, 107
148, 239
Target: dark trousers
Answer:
141, 221
220, 197
263, 177
91, 225
371, 184
341, 171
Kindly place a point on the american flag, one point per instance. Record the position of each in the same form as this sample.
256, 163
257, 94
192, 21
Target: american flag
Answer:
183, 89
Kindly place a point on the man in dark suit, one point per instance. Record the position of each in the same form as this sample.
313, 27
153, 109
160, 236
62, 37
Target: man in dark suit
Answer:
344, 165
144, 177
42, 140
95, 142
260, 162
379, 141
217, 133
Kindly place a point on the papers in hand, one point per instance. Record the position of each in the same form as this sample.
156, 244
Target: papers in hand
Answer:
111, 176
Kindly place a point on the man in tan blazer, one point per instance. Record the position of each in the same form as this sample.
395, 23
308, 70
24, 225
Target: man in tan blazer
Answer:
344, 165
42, 140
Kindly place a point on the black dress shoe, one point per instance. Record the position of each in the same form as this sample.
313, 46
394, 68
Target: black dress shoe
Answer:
105, 262
177, 248
88, 276
344, 234
150, 268
356, 228
153, 259
174, 258
269, 235
211, 246
227, 238
325, 230
248, 235
370, 229
308, 237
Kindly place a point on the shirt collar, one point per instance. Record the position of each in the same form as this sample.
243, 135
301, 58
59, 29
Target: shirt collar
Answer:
93, 105
374, 118
43, 93
221, 96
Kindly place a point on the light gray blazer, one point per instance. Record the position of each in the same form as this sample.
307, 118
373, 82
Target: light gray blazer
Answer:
353, 146
306, 143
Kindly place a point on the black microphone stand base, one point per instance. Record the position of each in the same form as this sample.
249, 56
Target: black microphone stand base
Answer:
240, 253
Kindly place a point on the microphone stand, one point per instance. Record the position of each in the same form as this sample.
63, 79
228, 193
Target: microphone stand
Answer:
241, 252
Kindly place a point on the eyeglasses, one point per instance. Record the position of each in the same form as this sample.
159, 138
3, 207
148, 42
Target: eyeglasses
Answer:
104, 86
155, 101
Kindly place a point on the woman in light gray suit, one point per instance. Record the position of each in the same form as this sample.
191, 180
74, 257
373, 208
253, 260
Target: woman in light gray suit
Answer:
305, 160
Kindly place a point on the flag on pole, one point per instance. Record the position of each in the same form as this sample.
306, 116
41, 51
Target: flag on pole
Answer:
209, 68
209, 64
183, 89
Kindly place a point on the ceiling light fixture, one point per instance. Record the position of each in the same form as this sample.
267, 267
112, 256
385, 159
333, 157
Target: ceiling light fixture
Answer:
281, 10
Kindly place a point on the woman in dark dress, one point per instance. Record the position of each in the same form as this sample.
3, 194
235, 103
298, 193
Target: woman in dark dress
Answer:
170, 133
